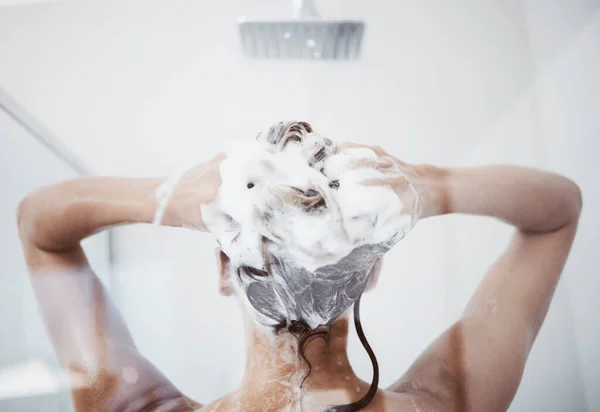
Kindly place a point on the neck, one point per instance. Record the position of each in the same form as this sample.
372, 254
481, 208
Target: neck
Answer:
271, 359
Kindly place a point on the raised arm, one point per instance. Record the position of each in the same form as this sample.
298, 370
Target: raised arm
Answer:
477, 364
89, 335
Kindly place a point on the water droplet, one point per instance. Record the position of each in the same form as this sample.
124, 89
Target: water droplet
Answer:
358, 389
287, 35
130, 374
311, 43
317, 54
493, 303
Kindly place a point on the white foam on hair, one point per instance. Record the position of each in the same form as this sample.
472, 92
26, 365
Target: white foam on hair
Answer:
357, 214
253, 203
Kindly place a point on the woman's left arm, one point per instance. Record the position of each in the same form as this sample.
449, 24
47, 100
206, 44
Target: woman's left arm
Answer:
89, 335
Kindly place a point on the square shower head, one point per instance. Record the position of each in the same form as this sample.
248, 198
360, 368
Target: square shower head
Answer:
301, 39
305, 37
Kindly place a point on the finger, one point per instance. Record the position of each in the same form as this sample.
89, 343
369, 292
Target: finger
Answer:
384, 162
378, 150
399, 162
392, 179
360, 163
380, 163
220, 156
351, 145
375, 182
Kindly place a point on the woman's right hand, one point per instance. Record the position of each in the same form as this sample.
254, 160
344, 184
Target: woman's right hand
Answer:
428, 181
198, 186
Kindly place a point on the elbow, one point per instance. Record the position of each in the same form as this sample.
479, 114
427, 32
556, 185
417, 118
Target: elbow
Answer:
579, 198
28, 215
24, 215
575, 199
571, 204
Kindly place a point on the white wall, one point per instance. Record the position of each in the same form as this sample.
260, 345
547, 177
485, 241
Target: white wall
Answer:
569, 96
136, 88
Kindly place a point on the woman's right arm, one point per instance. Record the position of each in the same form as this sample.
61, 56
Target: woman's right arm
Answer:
477, 364
89, 335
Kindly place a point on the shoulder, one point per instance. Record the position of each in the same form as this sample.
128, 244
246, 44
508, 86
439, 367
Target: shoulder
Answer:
222, 404
160, 396
131, 383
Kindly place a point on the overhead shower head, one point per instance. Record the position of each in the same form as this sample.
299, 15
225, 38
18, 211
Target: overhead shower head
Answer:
305, 37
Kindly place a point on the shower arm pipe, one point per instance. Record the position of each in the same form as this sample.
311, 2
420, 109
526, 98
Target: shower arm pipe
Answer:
47, 139
305, 9
40, 133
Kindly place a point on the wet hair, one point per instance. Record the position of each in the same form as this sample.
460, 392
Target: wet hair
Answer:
328, 299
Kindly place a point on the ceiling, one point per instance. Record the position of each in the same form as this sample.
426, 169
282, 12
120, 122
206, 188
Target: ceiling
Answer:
136, 87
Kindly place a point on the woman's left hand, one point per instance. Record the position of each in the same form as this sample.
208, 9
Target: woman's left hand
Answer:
419, 186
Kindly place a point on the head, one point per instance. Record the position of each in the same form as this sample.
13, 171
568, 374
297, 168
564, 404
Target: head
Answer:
300, 239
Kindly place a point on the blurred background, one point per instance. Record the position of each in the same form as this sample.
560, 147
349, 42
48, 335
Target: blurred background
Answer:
139, 87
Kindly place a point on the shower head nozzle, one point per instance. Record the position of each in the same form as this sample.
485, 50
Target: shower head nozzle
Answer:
305, 37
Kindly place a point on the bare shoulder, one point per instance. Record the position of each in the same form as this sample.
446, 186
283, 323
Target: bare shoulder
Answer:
225, 403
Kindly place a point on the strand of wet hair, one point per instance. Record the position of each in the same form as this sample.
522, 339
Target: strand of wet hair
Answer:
304, 340
301, 330
365, 400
